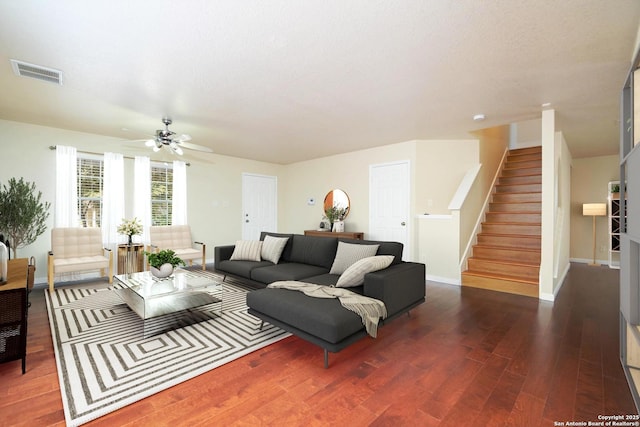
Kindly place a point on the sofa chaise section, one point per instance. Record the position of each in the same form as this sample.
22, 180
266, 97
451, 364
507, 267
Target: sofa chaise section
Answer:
324, 322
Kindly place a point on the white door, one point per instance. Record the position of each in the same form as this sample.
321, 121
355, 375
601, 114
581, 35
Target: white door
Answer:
259, 205
389, 203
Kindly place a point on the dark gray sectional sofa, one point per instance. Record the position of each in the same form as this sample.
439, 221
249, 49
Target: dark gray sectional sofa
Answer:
324, 322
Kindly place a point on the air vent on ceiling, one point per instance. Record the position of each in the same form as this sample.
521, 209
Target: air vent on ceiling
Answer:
39, 72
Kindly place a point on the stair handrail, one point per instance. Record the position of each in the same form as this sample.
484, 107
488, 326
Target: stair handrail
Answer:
472, 238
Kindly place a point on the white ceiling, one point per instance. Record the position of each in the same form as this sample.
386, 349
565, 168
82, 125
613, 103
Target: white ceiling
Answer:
289, 80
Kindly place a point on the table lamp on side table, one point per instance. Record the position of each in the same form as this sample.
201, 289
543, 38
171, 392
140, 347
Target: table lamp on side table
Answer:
593, 210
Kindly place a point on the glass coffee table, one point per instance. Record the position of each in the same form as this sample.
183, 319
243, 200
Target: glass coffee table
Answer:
184, 298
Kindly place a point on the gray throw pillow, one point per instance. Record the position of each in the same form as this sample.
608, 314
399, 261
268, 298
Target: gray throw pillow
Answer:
349, 253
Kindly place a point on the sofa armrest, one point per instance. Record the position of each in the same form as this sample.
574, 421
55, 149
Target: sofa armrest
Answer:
400, 286
222, 253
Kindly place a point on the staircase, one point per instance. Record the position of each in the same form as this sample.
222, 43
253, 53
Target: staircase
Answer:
507, 255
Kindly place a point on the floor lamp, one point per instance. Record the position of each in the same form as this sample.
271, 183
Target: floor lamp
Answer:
593, 210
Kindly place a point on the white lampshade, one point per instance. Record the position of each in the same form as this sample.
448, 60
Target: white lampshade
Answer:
594, 209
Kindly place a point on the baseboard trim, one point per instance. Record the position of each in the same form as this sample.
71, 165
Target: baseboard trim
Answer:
603, 262
445, 280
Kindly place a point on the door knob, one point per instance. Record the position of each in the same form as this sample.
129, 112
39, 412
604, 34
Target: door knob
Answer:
403, 223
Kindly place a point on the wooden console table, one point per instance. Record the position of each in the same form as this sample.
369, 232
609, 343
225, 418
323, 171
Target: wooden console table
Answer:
358, 235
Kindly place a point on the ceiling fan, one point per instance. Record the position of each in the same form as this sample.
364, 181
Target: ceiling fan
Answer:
165, 138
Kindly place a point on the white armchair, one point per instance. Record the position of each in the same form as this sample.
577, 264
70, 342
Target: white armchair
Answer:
77, 249
178, 239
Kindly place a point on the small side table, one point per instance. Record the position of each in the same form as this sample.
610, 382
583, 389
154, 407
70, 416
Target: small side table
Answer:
130, 258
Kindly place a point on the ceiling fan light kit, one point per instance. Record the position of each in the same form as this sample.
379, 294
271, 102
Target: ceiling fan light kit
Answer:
165, 138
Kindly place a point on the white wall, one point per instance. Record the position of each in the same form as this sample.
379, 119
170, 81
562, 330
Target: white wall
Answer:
562, 251
525, 134
589, 179
548, 205
437, 169
348, 172
441, 165
556, 208
439, 246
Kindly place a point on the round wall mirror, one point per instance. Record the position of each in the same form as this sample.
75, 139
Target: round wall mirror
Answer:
337, 199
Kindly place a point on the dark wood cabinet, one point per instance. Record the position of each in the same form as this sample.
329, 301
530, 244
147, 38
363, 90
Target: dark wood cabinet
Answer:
359, 235
13, 313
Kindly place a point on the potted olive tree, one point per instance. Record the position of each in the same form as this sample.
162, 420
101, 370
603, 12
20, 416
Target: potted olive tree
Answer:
163, 262
23, 215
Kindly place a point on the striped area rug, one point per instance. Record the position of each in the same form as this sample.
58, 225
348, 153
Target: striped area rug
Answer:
104, 363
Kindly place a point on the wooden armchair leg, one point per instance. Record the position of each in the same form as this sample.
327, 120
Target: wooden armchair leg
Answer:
110, 276
50, 273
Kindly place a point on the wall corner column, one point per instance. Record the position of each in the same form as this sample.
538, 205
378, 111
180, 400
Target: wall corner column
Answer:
548, 190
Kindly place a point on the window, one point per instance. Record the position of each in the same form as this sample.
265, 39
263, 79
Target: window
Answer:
90, 176
161, 194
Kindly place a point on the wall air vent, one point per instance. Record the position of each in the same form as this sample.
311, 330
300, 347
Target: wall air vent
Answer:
39, 72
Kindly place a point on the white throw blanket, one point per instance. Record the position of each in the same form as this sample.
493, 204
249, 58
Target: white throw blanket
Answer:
370, 310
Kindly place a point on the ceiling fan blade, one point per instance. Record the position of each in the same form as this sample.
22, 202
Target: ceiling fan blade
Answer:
195, 147
184, 138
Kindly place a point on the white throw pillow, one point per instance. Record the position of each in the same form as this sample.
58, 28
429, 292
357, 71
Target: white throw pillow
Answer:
272, 248
348, 253
247, 250
354, 275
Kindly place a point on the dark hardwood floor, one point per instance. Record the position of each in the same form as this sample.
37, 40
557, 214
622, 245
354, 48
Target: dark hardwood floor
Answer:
466, 357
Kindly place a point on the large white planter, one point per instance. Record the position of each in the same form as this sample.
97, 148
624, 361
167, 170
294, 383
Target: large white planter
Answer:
165, 270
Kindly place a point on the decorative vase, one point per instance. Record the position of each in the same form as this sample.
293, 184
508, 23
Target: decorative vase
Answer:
338, 227
130, 239
165, 270
4, 256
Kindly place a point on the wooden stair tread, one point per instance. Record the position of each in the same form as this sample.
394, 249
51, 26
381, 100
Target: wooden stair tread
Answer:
515, 166
518, 164
514, 159
501, 277
511, 223
515, 248
514, 212
519, 192
512, 203
520, 236
509, 263
524, 174
520, 183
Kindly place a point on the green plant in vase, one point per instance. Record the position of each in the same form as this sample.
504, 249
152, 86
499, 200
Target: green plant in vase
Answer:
335, 214
163, 262
23, 215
